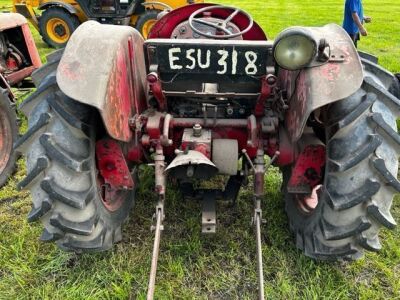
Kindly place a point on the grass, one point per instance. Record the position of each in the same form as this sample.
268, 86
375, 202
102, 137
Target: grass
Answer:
193, 266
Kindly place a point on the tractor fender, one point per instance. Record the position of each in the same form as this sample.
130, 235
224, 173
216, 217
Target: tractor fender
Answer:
103, 66
66, 6
317, 86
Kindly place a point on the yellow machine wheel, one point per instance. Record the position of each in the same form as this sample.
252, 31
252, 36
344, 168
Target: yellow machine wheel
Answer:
58, 30
56, 26
146, 21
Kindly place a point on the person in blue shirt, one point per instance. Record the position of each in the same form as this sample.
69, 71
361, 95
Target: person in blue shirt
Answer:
354, 20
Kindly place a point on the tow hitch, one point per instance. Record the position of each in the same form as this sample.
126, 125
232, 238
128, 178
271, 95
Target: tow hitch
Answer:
209, 197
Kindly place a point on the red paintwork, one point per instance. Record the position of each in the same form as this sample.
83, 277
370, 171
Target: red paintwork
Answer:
112, 165
119, 95
283, 145
156, 88
308, 169
12, 64
166, 25
9, 21
265, 93
30, 43
17, 76
135, 154
153, 126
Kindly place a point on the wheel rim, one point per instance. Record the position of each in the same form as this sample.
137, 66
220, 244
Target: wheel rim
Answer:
6, 140
147, 26
111, 199
58, 30
308, 203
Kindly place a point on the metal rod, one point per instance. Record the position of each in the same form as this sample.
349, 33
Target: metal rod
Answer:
259, 175
189, 122
259, 257
244, 151
154, 260
160, 181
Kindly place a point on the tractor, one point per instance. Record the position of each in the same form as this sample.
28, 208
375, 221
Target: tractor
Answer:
18, 59
208, 94
60, 18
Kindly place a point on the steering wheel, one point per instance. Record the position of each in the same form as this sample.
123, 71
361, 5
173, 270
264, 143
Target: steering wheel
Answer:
222, 26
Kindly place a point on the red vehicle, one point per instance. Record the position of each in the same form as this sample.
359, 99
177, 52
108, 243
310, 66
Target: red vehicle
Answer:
205, 94
18, 59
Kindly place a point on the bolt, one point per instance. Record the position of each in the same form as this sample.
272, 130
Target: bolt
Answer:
242, 111
182, 30
190, 171
197, 130
271, 79
229, 111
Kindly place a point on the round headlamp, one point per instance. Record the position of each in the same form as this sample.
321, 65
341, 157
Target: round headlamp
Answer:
294, 49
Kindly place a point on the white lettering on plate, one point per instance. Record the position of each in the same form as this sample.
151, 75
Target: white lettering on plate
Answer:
191, 58
173, 58
222, 61
208, 55
200, 58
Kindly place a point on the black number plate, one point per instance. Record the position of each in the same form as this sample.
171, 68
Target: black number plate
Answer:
212, 59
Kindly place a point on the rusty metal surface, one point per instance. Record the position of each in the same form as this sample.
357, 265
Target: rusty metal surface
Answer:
209, 214
103, 66
30, 44
167, 24
315, 87
112, 165
200, 143
193, 164
308, 169
17, 76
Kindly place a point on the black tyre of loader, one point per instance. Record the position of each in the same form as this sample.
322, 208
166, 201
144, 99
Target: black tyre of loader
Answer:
8, 135
62, 175
360, 178
146, 21
397, 92
56, 26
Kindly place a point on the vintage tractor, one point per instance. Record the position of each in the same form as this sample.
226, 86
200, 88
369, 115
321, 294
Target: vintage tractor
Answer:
59, 18
208, 94
18, 59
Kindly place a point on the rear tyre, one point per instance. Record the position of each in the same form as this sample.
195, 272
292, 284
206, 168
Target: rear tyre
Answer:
8, 135
56, 26
146, 22
360, 179
397, 89
62, 175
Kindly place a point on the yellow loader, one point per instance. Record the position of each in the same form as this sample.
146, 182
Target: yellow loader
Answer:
57, 19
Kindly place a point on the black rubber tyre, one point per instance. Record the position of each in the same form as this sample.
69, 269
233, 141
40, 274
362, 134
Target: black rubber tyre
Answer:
61, 172
8, 135
397, 89
360, 177
66, 26
145, 21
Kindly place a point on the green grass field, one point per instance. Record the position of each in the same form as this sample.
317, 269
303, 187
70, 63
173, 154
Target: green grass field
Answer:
193, 266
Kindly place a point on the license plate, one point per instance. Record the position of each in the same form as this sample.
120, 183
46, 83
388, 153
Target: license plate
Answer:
212, 59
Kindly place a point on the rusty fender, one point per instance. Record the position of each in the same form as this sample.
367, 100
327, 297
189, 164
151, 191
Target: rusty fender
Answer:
314, 87
103, 66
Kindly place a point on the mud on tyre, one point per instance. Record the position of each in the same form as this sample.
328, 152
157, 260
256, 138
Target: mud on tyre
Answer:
360, 177
61, 171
